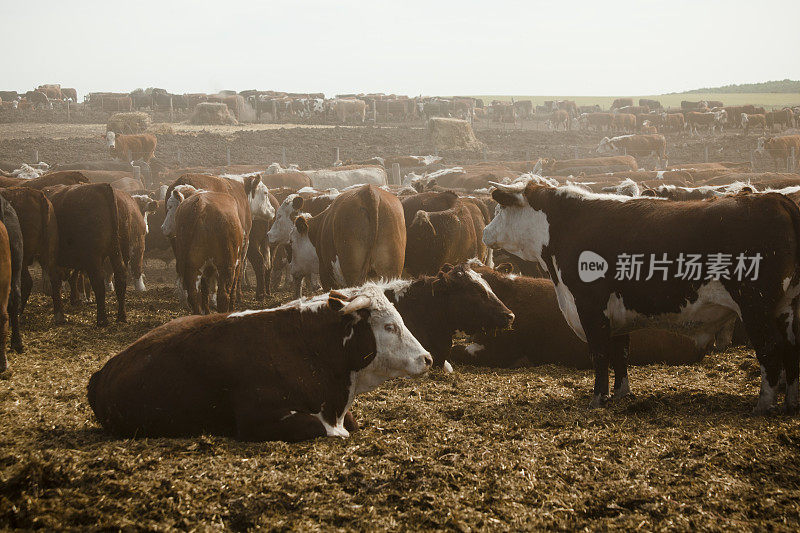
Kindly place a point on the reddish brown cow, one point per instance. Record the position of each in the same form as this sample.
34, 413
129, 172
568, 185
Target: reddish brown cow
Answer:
37, 220
131, 147
781, 149
294, 180
218, 374
88, 234
674, 121
61, 177
636, 145
623, 122
209, 244
553, 166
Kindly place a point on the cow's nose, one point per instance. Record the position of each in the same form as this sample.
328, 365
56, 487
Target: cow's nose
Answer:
427, 359
510, 317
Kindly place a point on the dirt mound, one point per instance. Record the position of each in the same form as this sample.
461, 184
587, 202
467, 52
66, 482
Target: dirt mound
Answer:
161, 128
129, 123
452, 134
212, 113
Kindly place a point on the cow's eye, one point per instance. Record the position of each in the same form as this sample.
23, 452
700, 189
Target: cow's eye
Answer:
391, 328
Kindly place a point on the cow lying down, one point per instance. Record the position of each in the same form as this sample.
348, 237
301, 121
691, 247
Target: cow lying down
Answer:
540, 334
289, 373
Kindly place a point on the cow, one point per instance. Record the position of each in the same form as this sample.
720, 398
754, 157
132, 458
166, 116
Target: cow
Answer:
781, 117
621, 102
633, 110
293, 179
636, 145
360, 236
567, 229
133, 230
5, 293
652, 104
598, 121
216, 374
88, 233
753, 121
556, 167
37, 222
131, 147
559, 119
648, 128
209, 245
687, 105
436, 237
346, 108
540, 335
674, 121
10, 220
38, 99
114, 104
781, 149
341, 177
70, 94
713, 120
623, 122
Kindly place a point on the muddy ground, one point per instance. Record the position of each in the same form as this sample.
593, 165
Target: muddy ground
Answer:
478, 449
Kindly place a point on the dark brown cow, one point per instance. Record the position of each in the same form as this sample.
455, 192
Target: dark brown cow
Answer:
132, 234
701, 272
781, 117
88, 234
131, 147
70, 93
540, 335
5, 291
216, 374
621, 102
37, 220
436, 237
209, 242
598, 121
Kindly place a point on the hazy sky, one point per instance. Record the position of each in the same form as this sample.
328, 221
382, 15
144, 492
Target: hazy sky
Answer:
409, 47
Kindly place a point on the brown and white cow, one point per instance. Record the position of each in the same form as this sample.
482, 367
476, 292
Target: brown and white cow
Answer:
753, 121
579, 236
636, 145
131, 147
360, 236
780, 149
712, 120
674, 121
216, 374
623, 122
5, 292
88, 234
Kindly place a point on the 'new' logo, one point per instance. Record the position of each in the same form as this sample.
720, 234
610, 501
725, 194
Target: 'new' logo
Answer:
591, 266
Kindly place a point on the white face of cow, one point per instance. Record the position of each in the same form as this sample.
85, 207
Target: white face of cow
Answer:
398, 353
284, 223
305, 261
519, 229
178, 194
111, 139
260, 206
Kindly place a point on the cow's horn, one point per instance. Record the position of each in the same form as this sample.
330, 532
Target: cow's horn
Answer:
511, 189
359, 302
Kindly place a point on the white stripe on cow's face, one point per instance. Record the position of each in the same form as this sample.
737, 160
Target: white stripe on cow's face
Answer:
111, 139
522, 231
284, 222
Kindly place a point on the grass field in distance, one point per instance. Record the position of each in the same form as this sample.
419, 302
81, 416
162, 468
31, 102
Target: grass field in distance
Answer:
667, 100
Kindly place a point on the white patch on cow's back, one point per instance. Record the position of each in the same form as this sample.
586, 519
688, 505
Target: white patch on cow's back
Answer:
566, 302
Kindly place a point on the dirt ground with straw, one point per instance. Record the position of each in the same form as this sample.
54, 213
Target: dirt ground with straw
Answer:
478, 449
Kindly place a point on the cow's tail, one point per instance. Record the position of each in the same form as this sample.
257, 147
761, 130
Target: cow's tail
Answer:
45, 212
372, 202
116, 250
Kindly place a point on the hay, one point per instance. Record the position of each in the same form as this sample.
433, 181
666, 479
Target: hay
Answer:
129, 123
212, 113
161, 128
451, 134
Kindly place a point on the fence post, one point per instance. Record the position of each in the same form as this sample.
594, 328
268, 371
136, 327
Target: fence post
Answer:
68, 119
171, 116
375, 111
792, 161
36, 156
435, 152
624, 150
130, 156
395, 173
753, 160
485, 158
576, 151
336, 154
228, 154
527, 155
283, 156
180, 161
137, 174
705, 152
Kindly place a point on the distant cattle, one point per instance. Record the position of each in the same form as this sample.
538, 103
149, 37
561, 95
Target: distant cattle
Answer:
131, 147
598, 121
712, 120
622, 122
346, 110
216, 374
569, 235
674, 121
652, 104
781, 149
559, 120
782, 118
749, 122
341, 177
636, 145
621, 102
556, 167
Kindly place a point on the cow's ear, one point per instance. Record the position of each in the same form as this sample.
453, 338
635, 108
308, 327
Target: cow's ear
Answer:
297, 203
505, 268
301, 224
177, 195
507, 199
335, 303
447, 267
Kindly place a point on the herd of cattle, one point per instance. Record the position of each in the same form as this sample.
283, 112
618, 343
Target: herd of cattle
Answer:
498, 250
649, 116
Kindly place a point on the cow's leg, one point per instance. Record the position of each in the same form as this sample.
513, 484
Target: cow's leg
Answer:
224, 290
285, 425
137, 267
256, 259
599, 340
97, 279
268, 255
120, 286
55, 293
350, 423
27, 286
790, 348
768, 341
619, 361
14, 302
191, 295
3, 335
